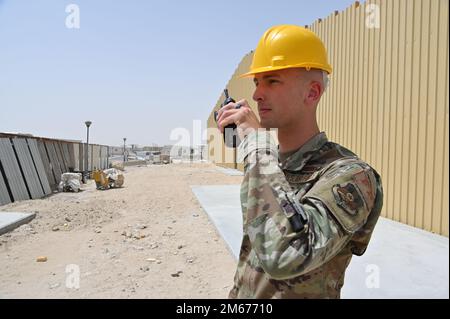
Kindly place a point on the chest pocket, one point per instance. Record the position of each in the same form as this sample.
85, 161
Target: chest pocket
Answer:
302, 182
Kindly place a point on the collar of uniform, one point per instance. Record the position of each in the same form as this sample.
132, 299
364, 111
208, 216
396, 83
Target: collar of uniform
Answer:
296, 161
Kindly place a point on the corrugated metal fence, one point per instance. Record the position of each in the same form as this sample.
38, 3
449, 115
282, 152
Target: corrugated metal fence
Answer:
31, 167
387, 100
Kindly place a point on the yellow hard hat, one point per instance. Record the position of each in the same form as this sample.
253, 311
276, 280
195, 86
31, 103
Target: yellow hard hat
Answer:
289, 46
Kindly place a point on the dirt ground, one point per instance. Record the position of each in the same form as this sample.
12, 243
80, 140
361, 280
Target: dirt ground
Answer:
149, 239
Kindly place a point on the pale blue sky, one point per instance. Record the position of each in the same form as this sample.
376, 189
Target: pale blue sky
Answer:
136, 69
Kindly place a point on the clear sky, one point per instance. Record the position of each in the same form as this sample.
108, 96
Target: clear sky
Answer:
136, 69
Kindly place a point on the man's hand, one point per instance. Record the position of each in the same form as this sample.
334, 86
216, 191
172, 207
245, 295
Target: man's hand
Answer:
243, 117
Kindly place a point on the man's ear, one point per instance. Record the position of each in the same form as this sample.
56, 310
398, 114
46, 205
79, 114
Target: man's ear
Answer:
315, 91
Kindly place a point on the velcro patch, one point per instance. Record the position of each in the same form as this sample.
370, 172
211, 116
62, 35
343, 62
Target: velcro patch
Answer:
348, 197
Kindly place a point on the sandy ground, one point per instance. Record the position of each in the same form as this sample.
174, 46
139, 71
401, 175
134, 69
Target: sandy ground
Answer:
149, 239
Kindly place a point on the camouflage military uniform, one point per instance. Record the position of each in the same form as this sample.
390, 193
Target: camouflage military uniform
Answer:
303, 218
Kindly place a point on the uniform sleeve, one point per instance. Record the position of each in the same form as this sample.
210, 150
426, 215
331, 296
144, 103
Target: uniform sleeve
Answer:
292, 236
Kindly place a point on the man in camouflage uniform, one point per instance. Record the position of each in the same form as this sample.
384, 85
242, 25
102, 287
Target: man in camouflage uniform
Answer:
309, 204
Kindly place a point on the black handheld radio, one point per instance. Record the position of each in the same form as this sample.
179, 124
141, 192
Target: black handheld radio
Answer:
230, 135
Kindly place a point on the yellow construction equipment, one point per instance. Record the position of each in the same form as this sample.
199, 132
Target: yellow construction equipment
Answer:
109, 178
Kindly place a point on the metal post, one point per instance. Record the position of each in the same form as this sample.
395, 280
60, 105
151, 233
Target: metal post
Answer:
124, 140
107, 157
86, 153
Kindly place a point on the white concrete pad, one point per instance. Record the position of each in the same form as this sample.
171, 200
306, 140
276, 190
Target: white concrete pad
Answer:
222, 204
230, 171
400, 262
12, 220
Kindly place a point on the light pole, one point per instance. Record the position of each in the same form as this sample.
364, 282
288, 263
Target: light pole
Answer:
86, 156
124, 140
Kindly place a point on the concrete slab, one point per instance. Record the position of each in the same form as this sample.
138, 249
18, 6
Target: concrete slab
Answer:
13, 175
28, 168
230, 171
54, 161
222, 204
39, 165
12, 220
401, 261
4, 195
409, 263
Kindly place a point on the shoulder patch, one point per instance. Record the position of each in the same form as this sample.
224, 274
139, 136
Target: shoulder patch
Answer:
347, 190
348, 197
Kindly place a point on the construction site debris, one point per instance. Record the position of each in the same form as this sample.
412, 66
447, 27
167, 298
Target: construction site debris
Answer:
70, 182
109, 178
177, 274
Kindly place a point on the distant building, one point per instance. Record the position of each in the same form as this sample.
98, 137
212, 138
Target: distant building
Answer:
117, 150
152, 148
186, 153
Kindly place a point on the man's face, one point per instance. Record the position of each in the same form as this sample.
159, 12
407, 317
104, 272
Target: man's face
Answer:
281, 97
